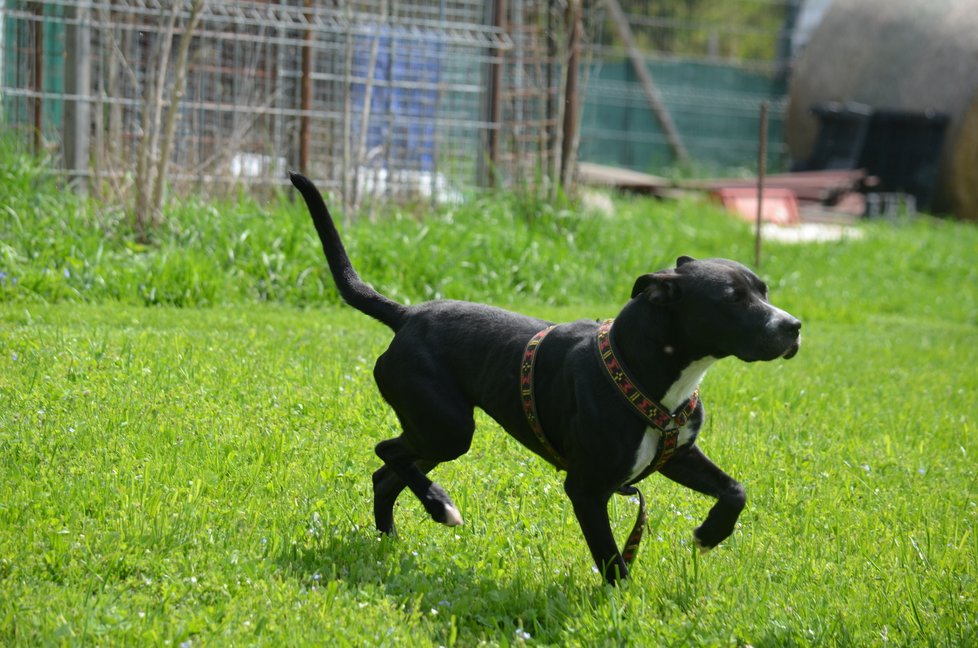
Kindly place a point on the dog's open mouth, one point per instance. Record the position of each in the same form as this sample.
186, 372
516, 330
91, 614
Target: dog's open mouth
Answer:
792, 350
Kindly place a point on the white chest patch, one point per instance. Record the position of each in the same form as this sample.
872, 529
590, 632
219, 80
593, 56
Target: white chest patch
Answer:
677, 394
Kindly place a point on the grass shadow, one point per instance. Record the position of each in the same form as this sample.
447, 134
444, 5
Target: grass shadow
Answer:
481, 600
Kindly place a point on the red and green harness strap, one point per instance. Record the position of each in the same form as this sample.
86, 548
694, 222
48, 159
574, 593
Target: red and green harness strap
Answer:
529, 402
655, 415
652, 412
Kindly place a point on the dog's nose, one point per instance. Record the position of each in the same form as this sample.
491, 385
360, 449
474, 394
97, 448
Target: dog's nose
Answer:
790, 325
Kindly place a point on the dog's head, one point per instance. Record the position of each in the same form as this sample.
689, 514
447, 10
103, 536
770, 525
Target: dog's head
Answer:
720, 308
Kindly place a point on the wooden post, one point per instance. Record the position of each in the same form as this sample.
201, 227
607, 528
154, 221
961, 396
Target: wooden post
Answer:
652, 93
761, 169
305, 98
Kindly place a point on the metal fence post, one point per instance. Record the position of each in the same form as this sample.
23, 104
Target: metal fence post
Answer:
495, 98
78, 87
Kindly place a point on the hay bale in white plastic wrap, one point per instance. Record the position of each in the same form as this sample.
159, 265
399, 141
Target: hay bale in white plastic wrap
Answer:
898, 54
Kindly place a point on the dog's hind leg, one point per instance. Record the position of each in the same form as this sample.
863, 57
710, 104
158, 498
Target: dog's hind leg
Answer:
387, 486
694, 470
407, 468
437, 423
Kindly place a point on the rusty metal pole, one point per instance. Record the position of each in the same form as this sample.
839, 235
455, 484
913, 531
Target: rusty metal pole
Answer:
495, 96
78, 111
38, 77
568, 151
305, 98
761, 169
552, 109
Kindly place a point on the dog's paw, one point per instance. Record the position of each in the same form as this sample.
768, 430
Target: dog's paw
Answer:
452, 516
388, 532
440, 506
704, 549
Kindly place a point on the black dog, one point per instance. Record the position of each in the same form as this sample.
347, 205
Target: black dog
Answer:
448, 357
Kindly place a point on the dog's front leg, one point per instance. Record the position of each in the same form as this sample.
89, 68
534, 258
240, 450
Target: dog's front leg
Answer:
592, 514
694, 470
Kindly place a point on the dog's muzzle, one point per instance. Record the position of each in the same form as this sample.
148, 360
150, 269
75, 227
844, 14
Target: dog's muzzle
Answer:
779, 338
790, 327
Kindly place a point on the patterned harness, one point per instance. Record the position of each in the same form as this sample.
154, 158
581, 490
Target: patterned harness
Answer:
649, 410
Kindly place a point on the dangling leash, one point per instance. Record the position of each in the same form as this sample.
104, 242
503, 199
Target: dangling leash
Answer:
652, 412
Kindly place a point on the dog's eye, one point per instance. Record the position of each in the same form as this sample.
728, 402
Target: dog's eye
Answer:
735, 294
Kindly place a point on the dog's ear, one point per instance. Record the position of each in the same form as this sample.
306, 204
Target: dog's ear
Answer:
683, 260
658, 288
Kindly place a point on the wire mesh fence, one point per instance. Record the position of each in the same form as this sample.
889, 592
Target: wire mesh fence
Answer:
379, 98
373, 98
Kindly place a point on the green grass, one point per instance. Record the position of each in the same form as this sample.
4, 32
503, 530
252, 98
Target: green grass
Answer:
200, 475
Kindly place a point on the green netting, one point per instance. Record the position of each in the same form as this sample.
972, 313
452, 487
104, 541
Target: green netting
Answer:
715, 109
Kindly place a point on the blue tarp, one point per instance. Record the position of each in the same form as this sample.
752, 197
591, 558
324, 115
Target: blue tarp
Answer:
404, 96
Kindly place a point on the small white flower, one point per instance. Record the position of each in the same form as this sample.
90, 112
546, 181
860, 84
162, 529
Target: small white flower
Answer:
522, 634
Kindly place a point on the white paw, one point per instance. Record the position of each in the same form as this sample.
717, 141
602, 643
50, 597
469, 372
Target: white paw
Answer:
452, 516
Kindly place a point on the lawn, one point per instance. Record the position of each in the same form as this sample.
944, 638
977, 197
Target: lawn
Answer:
197, 472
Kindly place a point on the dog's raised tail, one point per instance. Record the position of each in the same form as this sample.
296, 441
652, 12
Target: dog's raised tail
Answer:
354, 290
